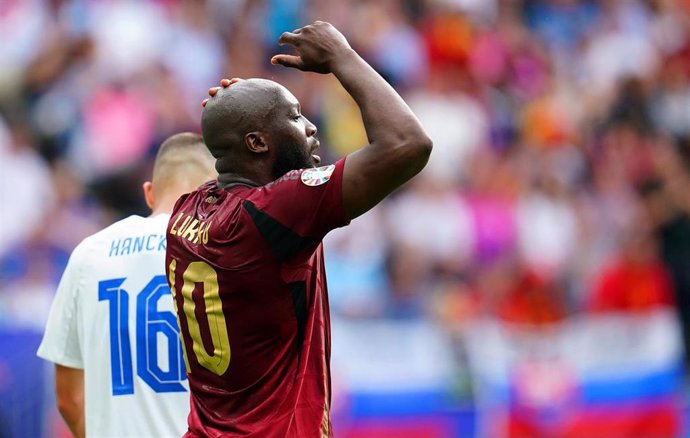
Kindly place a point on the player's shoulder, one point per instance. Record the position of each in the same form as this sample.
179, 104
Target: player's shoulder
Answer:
123, 227
291, 189
119, 226
310, 177
317, 176
202, 192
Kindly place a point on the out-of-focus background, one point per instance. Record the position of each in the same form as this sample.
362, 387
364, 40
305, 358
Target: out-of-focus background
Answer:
533, 282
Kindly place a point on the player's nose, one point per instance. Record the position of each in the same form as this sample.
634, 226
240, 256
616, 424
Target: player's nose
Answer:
311, 129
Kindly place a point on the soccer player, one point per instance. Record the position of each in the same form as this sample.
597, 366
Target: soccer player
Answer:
112, 333
244, 259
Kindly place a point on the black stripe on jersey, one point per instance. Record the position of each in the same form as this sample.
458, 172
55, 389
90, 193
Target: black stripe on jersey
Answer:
299, 302
284, 242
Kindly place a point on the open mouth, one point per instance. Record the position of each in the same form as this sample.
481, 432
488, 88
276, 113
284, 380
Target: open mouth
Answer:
315, 158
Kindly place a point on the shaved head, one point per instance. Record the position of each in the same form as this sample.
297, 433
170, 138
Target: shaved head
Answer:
244, 107
257, 132
182, 164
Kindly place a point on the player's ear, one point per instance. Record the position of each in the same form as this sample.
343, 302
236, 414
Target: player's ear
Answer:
256, 142
148, 194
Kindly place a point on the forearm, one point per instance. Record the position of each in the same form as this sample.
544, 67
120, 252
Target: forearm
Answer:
75, 421
387, 118
69, 389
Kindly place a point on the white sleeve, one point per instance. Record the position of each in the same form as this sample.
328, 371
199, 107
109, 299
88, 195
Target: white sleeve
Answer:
60, 342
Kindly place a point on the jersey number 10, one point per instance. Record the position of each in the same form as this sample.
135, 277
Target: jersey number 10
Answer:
150, 323
218, 360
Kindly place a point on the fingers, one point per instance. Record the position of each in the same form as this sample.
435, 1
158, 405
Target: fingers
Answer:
227, 82
288, 61
224, 83
288, 38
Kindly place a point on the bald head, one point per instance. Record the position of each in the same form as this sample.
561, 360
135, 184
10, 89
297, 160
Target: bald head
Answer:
244, 107
256, 131
182, 164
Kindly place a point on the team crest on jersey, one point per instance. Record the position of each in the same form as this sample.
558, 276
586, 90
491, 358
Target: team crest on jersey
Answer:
318, 175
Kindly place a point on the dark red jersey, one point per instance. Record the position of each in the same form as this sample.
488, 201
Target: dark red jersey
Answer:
245, 265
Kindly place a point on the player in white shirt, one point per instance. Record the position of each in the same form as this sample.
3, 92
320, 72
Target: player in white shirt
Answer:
112, 331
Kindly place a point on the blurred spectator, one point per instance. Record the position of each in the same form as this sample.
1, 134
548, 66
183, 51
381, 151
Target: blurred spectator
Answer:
490, 197
21, 26
128, 37
395, 48
561, 24
666, 200
356, 269
636, 280
26, 187
194, 55
118, 125
620, 46
522, 297
673, 99
412, 221
546, 231
455, 121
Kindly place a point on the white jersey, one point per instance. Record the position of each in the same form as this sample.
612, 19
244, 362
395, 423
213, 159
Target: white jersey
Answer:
113, 316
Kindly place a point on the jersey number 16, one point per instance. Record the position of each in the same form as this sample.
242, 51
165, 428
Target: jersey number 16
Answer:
151, 323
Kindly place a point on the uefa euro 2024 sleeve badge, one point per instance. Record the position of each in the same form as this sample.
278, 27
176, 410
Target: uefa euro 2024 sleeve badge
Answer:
318, 175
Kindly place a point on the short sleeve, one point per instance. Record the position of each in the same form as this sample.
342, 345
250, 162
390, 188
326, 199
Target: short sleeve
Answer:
299, 208
60, 342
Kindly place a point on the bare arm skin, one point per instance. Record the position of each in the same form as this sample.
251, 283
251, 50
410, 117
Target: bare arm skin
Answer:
69, 388
398, 146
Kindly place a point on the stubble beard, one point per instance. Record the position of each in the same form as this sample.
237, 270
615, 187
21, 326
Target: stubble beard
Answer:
289, 158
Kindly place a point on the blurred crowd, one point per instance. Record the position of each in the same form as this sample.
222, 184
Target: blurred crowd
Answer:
559, 181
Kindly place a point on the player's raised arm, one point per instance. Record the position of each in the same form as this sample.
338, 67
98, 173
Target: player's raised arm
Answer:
398, 146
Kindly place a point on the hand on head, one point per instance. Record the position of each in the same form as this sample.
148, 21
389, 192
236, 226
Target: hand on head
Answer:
224, 83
